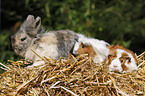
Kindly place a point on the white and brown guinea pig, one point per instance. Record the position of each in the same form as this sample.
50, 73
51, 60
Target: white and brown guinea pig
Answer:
121, 59
96, 49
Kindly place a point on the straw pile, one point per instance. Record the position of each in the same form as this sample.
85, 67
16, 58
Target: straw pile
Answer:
76, 76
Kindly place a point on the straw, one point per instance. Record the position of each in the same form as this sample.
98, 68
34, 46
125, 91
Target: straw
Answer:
73, 76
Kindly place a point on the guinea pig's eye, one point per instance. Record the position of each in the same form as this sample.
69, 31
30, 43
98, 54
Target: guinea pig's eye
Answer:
128, 58
111, 56
121, 61
22, 39
83, 46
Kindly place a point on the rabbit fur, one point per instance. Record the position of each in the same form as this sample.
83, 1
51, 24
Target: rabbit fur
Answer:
31, 39
23, 38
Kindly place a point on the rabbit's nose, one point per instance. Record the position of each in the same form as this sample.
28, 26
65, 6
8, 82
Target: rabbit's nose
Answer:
16, 43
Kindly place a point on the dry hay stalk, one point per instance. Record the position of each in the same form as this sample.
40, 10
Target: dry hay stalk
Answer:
73, 76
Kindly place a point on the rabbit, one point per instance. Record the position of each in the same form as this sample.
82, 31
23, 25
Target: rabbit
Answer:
54, 44
96, 49
26, 34
27, 42
121, 59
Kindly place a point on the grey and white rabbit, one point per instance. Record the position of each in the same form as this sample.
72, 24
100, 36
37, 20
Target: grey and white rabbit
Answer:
26, 34
30, 39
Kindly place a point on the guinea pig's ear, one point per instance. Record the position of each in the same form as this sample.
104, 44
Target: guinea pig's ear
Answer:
82, 43
111, 46
107, 61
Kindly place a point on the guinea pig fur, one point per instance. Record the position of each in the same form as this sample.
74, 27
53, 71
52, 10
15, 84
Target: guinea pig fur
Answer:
121, 59
96, 49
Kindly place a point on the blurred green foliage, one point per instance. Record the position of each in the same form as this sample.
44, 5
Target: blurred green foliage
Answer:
115, 21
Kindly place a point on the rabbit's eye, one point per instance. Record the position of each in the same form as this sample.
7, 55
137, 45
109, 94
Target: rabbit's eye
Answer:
22, 39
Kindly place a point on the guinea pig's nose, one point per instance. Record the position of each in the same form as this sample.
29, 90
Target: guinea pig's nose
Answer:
75, 52
114, 66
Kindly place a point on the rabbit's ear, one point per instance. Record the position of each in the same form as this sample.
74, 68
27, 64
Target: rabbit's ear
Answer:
28, 23
30, 18
34, 27
38, 19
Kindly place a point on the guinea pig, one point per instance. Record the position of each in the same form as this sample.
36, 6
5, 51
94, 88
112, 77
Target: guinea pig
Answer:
96, 49
121, 59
